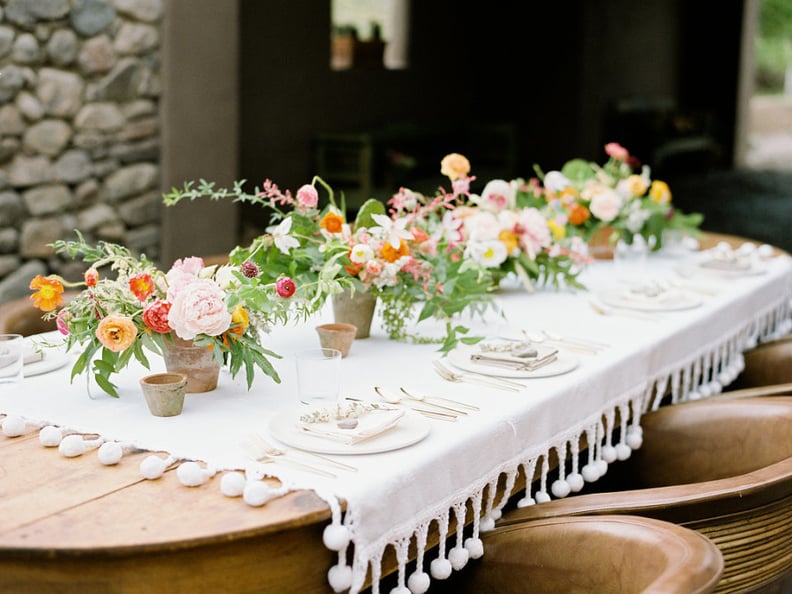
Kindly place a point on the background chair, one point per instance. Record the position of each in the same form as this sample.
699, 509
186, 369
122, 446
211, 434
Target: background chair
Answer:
20, 316
720, 466
768, 363
626, 554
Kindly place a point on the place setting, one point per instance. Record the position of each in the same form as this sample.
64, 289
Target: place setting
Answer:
725, 261
513, 359
651, 295
42, 354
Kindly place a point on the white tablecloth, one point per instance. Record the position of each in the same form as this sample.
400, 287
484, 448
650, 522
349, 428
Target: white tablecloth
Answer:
396, 496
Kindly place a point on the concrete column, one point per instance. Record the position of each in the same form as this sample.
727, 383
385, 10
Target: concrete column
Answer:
200, 122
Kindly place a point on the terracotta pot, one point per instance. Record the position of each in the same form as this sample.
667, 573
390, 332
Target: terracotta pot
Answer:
337, 336
164, 393
357, 309
196, 362
599, 244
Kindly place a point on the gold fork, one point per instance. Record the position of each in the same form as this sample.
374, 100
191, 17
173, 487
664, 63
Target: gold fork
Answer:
259, 449
484, 380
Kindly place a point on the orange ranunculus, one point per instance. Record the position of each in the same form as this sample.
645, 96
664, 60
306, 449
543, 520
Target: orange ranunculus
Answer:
419, 234
508, 239
49, 292
454, 166
660, 193
333, 222
116, 333
142, 285
578, 214
391, 254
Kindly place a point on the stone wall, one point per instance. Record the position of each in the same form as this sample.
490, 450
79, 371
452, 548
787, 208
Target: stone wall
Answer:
79, 131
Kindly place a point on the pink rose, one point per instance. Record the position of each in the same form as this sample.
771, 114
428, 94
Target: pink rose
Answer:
616, 151
307, 197
200, 309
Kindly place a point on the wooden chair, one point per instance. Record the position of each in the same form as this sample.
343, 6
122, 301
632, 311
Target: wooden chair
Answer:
720, 466
766, 364
20, 316
583, 554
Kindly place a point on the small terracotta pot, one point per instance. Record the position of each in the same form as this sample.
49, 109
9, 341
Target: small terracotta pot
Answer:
198, 363
357, 309
164, 393
338, 336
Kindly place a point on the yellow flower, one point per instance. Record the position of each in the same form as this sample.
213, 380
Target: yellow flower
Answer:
116, 333
558, 231
49, 292
454, 166
660, 192
636, 185
239, 320
508, 239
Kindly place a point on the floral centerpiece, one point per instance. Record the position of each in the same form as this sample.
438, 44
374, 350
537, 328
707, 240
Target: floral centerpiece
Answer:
507, 235
619, 198
402, 258
136, 307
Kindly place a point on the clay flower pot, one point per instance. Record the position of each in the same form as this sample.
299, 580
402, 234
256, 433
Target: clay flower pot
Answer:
198, 363
164, 393
357, 309
337, 336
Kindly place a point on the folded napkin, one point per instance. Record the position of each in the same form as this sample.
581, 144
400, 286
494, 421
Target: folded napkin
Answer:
32, 354
369, 424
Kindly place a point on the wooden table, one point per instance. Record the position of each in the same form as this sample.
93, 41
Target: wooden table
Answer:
74, 525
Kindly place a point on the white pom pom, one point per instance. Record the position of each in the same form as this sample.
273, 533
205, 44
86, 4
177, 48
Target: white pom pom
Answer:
50, 436
110, 453
766, 250
716, 387
590, 473
496, 514
526, 502
152, 467
623, 451
71, 446
336, 537
458, 556
705, 390
418, 582
340, 577
400, 590
487, 524
724, 377
440, 569
191, 474
475, 548
560, 488
634, 439
602, 466
608, 453
542, 497
232, 484
694, 395
13, 426
257, 493
575, 480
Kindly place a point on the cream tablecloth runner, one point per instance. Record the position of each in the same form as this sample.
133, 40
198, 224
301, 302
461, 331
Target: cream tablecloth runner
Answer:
397, 495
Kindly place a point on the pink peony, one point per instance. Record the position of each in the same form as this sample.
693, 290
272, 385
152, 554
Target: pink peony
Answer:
616, 151
192, 265
200, 309
605, 205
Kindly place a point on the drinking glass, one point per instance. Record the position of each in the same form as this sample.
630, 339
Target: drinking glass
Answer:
11, 358
318, 375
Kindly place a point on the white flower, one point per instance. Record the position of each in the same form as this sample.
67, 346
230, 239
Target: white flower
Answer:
224, 277
280, 234
489, 254
482, 226
636, 216
556, 181
497, 195
605, 205
394, 231
361, 253
534, 232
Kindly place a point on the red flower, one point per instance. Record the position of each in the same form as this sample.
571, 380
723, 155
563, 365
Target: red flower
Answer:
91, 277
285, 287
155, 316
142, 285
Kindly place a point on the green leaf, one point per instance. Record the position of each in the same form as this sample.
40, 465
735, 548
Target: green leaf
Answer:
578, 171
370, 207
106, 385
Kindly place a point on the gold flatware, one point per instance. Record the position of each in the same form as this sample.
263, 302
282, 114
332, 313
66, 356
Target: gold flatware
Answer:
476, 378
259, 448
513, 363
440, 399
435, 414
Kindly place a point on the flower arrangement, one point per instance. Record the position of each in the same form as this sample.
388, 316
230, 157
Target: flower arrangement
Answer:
503, 234
137, 307
402, 258
619, 196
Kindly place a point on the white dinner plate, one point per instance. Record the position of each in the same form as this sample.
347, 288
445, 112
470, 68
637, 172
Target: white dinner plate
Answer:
675, 300
460, 357
410, 429
51, 360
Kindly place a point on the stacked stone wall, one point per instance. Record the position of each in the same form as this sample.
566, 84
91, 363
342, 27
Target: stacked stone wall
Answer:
79, 131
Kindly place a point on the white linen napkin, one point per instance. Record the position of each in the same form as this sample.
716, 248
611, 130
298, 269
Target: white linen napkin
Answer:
369, 424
